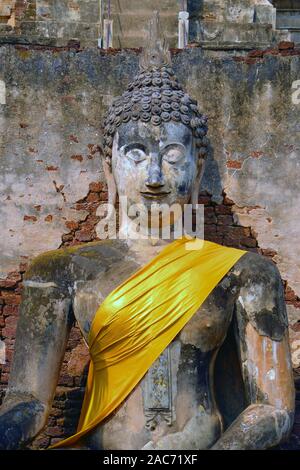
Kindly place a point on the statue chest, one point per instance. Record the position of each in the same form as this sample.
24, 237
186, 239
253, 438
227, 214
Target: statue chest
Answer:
205, 330
176, 390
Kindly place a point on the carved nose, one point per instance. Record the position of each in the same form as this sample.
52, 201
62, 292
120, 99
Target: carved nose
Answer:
155, 181
155, 177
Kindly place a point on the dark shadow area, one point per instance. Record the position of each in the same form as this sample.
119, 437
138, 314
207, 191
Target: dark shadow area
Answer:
228, 383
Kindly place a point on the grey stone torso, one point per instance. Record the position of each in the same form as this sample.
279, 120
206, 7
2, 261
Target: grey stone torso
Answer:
174, 403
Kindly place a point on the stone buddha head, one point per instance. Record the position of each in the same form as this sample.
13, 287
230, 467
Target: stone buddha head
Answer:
155, 139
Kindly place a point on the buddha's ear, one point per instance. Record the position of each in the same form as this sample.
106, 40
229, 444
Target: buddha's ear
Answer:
112, 195
111, 183
197, 182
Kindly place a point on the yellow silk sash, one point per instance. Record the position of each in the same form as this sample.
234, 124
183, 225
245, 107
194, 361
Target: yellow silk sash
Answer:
138, 320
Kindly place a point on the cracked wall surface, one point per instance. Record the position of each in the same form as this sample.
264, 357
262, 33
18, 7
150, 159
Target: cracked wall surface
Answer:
54, 104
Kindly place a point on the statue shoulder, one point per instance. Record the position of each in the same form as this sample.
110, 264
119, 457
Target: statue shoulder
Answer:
258, 268
65, 265
261, 295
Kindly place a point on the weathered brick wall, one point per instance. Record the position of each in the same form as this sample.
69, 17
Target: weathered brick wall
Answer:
212, 22
52, 183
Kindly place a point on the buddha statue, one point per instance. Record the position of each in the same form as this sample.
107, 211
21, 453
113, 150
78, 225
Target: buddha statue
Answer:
224, 381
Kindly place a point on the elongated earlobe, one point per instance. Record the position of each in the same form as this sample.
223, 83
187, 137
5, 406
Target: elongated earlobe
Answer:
197, 182
112, 190
111, 184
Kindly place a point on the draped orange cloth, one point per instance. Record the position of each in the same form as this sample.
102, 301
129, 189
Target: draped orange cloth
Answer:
138, 319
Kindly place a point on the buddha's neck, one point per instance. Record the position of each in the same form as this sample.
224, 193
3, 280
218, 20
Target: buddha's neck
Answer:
142, 251
143, 244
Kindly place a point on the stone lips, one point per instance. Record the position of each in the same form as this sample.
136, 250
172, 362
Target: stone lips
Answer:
155, 96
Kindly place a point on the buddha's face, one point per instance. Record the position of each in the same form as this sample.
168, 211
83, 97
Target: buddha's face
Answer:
154, 163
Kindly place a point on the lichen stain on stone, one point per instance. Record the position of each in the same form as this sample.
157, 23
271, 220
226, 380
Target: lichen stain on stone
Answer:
24, 53
267, 355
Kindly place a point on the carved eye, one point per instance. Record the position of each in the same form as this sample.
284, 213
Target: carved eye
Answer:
135, 152
173, 153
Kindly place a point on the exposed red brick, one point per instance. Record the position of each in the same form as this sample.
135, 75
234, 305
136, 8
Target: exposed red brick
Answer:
4, 378
10, 328
204, 200
96, 187
250, 60
256, 154
42, 443
52, 168
66, 380
81, 206
15, 276
84, 235
225, 220
23, 267
68, 99
256, 53
234, 164
31, 218
71, 225
75, 337
103, 196
283, 45
234, 232
239, 59
12, 309
296, 327
54, 431
7, 283
271, 51
215, 239
94, 148
248, 242
93, 220
227, 201
78, 360
67, 238
9, 353
223, 210
73, 138
93, 197
11, 298
290, 294
77, 157
210, 230
289, 53
210, 216
268, 252
74, 43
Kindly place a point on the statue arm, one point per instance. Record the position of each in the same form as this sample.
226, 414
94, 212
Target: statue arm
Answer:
263, 344
43, 328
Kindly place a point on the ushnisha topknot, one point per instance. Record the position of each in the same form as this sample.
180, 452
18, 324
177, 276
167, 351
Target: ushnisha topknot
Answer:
155, 96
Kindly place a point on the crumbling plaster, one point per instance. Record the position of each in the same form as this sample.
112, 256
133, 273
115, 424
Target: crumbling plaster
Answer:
55, 101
